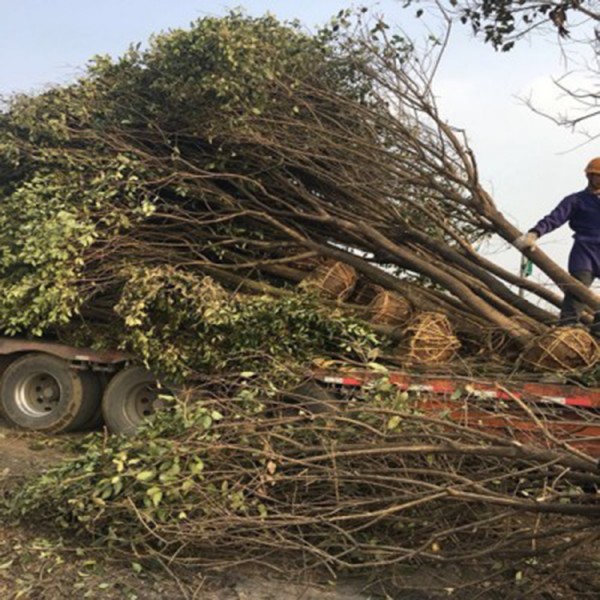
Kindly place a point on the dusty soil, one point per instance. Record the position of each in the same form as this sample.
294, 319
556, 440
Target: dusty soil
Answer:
24, 453
39, 565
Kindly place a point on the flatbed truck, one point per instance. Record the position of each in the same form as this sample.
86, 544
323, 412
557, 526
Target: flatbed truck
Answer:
52, 387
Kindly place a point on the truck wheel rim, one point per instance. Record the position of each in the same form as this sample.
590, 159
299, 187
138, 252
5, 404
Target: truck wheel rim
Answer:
38, 394
142, 402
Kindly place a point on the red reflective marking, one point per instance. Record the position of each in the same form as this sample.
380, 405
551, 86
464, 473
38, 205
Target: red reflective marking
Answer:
579, 401
351, 381
559, 392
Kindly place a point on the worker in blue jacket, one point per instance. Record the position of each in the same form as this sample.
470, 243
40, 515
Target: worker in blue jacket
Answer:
582, 211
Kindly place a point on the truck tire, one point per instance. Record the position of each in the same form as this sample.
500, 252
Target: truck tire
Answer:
96, 421
130, 397
43, 393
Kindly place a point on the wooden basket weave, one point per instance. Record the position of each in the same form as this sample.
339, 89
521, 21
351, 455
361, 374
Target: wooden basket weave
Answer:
389, 308
365, 292
500, 342
563, 349
430, 339
332, 278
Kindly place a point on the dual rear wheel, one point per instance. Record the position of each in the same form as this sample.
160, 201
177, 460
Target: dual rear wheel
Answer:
45, 393
41, 392
131, 396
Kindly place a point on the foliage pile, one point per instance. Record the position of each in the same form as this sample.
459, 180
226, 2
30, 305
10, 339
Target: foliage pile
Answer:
170, 202
245, 149
376, 486
186, 327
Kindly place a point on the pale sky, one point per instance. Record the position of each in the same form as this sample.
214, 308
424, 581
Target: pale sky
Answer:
527, 162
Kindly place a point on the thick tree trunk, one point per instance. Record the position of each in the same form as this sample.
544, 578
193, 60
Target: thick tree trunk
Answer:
495, 286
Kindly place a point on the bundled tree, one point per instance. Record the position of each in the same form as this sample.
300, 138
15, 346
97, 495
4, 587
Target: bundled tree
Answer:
241, 149
170, 202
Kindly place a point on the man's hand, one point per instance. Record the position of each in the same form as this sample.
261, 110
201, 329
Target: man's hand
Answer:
527, 241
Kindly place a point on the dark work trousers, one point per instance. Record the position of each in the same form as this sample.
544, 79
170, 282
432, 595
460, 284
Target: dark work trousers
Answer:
572, 307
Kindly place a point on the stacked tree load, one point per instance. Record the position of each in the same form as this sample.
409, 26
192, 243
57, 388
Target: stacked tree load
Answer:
266, 162
231, 203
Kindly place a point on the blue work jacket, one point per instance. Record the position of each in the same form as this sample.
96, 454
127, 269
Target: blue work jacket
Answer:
582, 211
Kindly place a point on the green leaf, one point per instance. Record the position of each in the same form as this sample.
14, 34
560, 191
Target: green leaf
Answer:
145, 475
197, 466
136, 567
393, 422
457, 394
378, 368
155, 494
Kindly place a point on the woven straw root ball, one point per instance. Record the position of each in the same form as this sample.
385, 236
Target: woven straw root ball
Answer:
365, 292
388, 308
498, 341
430, 339
332, 278
563, 349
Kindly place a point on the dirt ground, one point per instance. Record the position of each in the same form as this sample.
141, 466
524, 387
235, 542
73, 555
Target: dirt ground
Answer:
39, 565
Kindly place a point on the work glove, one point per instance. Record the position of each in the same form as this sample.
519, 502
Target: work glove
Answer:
526, 241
